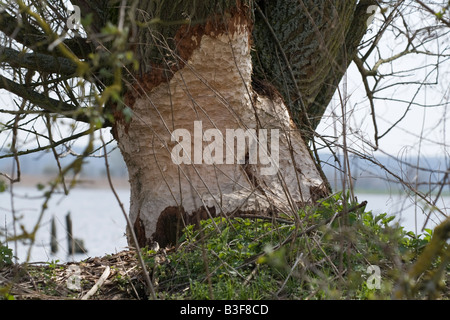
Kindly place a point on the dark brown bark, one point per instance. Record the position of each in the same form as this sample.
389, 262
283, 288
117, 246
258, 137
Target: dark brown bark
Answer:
304, 47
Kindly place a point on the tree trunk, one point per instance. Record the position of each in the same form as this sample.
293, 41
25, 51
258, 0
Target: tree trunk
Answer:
207, 139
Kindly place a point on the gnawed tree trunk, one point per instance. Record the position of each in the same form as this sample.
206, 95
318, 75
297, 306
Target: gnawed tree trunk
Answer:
191, 100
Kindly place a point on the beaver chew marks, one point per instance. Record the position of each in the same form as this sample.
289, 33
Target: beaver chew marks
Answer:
213, 87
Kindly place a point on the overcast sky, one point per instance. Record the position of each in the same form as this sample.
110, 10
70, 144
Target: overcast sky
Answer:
423, 130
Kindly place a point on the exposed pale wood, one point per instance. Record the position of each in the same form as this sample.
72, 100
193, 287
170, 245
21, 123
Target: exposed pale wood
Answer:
214, 87
98, 284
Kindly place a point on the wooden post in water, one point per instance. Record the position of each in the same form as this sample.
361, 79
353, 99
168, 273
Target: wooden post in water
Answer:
70, 240
53, 238
74, 245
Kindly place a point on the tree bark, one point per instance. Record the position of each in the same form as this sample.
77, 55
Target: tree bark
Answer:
305, 48
196, 89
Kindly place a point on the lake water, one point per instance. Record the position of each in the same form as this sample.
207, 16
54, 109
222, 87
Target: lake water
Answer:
98, 220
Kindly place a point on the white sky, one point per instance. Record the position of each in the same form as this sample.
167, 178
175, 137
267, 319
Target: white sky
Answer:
423, 130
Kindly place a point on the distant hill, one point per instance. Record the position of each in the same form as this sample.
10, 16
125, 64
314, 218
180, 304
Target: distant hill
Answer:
367, 175
384, 172
44, 163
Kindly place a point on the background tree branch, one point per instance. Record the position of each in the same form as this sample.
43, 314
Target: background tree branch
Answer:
44, 101
37, 62
31, 37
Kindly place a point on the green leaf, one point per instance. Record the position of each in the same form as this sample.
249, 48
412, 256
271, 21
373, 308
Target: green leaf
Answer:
87, 19
40, 186
411, 234
387, 220
380, 217
6, 256
3, 186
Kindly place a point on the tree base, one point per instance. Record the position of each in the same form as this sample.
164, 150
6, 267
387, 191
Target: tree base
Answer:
205, 143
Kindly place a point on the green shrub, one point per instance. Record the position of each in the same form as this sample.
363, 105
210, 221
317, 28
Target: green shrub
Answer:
6, 256
246, 258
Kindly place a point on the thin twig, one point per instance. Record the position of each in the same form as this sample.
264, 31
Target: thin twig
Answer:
98, 284
130, 226
436, 14
299, 258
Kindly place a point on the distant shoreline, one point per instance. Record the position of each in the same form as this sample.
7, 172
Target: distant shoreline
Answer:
83, 182
122, 183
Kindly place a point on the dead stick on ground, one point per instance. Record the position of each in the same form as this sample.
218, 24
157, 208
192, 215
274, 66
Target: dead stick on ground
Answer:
98, 284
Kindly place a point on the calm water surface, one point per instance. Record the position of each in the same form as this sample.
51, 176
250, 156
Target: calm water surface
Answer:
96, 219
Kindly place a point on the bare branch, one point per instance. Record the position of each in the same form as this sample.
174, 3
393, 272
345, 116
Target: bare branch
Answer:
439, 17
37, 61
46, 103
33, 38
52, 144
